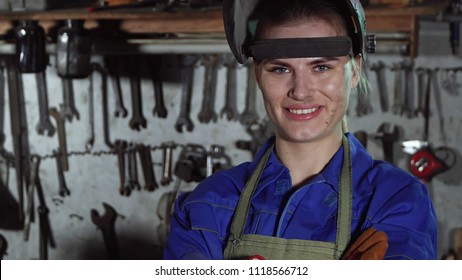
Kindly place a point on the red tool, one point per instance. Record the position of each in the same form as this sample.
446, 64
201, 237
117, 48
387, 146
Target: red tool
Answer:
426, 162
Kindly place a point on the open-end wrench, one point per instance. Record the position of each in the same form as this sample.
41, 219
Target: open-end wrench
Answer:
35, 165
389, 134
63, 190
250, 115
104, 103
128, 185
133, 166
91, 115
106, 224
379, 68
408, 67
120, 147
44, 123
113, 68
150, 181
188, 63
60, 124
437, 100
46, 235
69, 111
167, 148
207, 113
397, 107
137, 121
17, 133
420, 91
230, 107
159, 108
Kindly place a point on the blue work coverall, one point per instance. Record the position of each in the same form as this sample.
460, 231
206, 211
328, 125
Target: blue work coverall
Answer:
384, 197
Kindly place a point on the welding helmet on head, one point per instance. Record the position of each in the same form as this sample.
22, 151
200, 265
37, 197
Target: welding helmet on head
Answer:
238, 13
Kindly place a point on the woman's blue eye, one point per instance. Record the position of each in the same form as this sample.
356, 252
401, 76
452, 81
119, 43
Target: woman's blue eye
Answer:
279, 70
321, 68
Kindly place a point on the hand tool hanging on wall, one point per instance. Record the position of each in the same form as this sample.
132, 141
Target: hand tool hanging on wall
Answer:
73, 50
188, 63
380, 70
363, 104
420, 109
18, 130
217, 159
132, 166
207, 113
46, 237
397, 107
35, 164
62, 141
167, 161
137, 120
159, 107
91, 115
106, 223
32, 58
230, 108
408, 104
388, 133
250, 116
112, 66
68, 109
424, 162
120, 146
104, 102
63, 190
259, 132
150, 182
44, 123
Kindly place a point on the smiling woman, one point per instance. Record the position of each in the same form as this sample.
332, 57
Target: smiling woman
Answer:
312, 191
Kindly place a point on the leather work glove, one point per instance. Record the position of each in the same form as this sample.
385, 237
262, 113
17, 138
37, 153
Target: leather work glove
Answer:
370, 245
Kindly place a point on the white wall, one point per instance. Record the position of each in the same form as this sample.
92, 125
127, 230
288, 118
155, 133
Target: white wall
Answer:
94, 179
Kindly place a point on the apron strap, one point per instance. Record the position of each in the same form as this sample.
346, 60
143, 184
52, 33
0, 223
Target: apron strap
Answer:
344, 201
243, 206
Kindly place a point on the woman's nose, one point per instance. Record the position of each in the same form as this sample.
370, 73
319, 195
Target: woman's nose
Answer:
301, 86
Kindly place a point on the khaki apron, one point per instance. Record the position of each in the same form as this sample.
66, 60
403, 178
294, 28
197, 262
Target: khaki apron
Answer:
243, 246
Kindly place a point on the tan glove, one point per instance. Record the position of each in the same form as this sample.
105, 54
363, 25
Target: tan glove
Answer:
370, 245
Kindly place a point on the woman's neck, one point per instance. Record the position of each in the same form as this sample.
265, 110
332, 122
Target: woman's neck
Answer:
305, 160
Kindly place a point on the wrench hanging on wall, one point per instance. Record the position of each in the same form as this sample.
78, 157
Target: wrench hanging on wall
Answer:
137, 121
188, 63
211, 63
18, 130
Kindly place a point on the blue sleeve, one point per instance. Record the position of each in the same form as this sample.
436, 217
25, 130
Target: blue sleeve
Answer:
187, 242
407, 216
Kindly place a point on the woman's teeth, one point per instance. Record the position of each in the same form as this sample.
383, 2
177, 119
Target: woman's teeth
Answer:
303, 111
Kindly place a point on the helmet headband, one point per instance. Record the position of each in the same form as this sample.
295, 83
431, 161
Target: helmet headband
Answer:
300, 47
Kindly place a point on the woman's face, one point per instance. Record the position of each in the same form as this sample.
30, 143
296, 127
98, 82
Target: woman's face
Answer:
306, 98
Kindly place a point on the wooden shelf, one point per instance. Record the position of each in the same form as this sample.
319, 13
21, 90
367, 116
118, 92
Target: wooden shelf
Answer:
207, 21
129, 21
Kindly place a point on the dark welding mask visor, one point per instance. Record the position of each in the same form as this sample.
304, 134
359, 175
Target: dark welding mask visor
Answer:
300, 47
